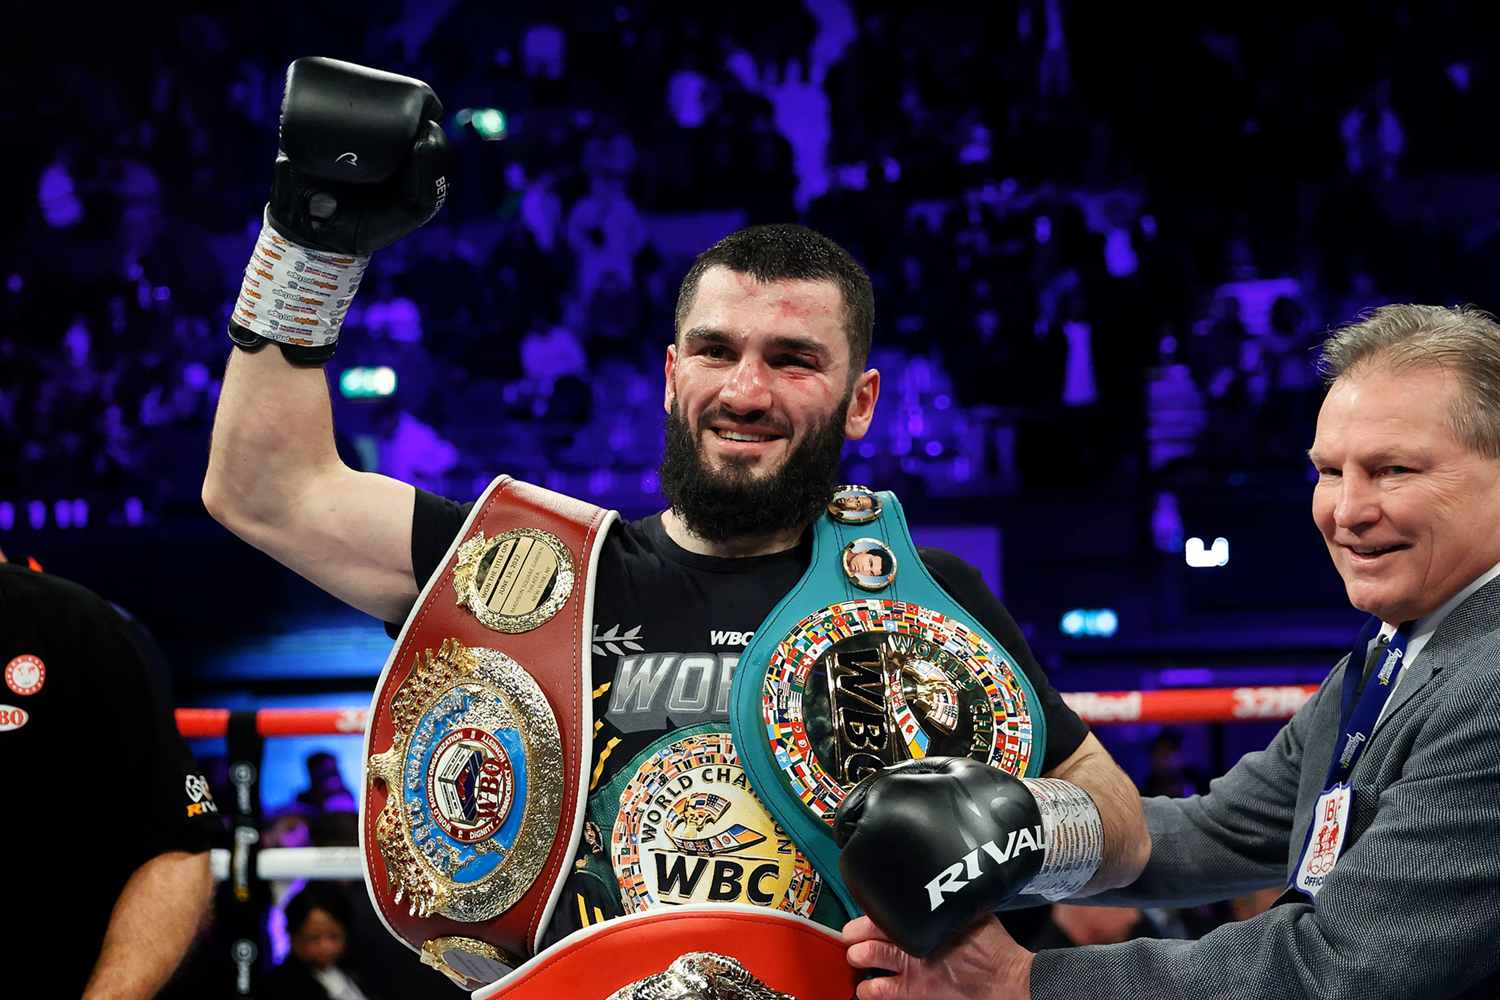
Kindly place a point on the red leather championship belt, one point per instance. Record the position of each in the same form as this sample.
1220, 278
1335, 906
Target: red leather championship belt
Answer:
478, 741
727, 951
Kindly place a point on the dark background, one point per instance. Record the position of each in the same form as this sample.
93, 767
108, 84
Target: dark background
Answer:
1106, 245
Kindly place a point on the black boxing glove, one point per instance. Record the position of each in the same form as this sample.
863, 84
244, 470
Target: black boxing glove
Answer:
362, 162
929, 844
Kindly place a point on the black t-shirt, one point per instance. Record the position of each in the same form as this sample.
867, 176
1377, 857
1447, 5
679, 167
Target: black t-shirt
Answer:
669, 627
94, 778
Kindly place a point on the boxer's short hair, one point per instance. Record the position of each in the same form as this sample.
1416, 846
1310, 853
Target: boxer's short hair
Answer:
786, 252
1462, 339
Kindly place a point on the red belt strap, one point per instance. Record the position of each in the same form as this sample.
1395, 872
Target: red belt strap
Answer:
555, 654
785, 952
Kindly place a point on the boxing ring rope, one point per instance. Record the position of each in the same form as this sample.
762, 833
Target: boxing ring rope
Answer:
1172, 705
288, 863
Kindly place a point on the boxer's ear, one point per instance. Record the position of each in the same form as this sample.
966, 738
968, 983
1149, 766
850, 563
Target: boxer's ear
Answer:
670, 393
862, 404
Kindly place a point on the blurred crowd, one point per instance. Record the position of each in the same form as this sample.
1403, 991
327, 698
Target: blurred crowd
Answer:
1105, 244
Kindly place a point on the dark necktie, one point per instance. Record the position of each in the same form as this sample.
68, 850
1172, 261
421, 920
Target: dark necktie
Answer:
1376, 652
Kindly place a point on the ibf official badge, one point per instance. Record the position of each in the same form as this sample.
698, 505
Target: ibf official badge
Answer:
861, 685
1325, 839
514, 581
690, 830
473, 784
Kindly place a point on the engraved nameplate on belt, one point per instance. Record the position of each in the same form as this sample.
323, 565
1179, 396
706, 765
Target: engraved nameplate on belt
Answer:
513, 581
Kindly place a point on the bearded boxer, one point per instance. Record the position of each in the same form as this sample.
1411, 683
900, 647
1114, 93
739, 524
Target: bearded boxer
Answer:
1376, 809
764, 381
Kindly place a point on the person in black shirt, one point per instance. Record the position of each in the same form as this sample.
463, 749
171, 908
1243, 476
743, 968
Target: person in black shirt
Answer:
765, 381
108, 819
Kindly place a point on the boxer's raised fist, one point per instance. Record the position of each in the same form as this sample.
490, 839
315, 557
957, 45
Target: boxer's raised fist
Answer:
363, 158
932, 843
362, 162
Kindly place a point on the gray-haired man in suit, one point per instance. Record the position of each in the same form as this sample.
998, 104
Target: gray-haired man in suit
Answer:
1379, 813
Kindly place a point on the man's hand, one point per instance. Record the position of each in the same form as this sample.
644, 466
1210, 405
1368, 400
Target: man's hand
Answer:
982, 963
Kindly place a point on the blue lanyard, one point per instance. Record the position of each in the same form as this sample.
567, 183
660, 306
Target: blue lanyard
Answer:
1357, 721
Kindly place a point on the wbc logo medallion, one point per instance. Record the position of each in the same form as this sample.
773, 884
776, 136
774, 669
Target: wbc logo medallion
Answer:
861, 685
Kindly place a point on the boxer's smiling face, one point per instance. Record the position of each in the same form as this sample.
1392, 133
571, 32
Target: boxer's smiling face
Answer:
1409, 514
758, 366
759, 401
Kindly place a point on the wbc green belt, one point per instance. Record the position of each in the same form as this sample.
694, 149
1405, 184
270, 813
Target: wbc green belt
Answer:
868, 662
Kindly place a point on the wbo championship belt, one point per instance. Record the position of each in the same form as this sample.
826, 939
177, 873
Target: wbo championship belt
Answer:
478, 740
868, 662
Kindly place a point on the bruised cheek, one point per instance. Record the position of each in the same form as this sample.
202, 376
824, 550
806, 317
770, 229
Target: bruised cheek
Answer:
811, 391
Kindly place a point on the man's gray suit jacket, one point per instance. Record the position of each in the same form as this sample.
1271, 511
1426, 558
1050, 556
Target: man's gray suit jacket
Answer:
1411, 909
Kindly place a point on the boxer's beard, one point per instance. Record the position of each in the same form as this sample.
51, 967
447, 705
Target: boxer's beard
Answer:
719, 505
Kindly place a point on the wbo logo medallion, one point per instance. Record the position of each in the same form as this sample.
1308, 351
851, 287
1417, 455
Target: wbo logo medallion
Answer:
473, 784
470, 785
690, 830
861, 685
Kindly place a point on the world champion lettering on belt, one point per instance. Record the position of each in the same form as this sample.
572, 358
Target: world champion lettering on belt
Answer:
690, 830
473, 784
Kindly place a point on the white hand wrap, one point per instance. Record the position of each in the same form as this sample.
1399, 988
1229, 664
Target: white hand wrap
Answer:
294, 295
1075, 839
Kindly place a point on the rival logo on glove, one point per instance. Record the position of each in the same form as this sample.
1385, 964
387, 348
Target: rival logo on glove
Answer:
952, 878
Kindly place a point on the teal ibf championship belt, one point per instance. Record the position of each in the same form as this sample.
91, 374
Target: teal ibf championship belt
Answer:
868, 662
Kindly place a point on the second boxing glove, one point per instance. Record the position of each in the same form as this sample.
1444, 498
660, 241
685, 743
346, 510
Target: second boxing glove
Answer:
929, 844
